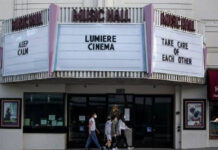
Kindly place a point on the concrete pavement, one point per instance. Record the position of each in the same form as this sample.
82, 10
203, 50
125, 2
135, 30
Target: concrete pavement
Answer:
159, 149
150, 149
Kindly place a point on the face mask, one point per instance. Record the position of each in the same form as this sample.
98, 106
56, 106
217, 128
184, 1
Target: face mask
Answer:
95, 116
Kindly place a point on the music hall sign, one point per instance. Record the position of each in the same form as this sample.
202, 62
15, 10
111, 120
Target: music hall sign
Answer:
177, 22
100, 15
27, 21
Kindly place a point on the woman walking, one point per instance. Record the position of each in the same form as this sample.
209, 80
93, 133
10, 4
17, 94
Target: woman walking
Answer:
92, 134
121, 128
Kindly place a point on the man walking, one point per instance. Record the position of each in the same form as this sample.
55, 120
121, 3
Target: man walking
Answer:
92, 134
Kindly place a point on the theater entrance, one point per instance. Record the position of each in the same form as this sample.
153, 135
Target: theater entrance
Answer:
150, 117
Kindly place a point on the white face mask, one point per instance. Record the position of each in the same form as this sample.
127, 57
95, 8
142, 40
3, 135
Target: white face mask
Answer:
95, 116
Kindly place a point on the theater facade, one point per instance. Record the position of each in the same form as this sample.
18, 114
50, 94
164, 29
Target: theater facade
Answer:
60, 64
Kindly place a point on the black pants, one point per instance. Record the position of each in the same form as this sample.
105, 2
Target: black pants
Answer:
114, 142
122, 137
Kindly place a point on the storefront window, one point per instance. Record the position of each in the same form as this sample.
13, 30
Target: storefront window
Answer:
43, 110
214, 119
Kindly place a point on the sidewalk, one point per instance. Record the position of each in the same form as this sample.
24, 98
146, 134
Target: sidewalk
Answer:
159, 149
150, 149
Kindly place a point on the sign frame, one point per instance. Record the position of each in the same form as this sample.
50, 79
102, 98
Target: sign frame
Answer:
25, 48
170, 47
143, 37
193, 113
17, 124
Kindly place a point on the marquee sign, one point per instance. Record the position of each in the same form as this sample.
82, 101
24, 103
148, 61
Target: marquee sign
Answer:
26, 52
27, 21
98, 15
101, 47
177, 52
177, 22
102, 39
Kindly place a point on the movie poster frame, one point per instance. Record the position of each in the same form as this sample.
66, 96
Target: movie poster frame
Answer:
18, 101
186, 102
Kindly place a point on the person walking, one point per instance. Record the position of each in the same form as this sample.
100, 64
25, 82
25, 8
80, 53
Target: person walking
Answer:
114, 132
108, 132
92, 135
121, 128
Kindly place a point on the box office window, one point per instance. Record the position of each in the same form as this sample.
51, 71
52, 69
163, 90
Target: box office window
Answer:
214, 119
43, 112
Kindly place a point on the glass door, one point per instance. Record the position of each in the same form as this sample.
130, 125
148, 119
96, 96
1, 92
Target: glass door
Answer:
77, 121
153, 125
98, 105
143, 122
123, 104
163, 122
150, 117
80, 109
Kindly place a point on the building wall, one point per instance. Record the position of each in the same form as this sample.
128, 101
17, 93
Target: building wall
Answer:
6, 10
34, 141
131, 89
13, 139
207, 12
58, 141
8, 135
195, 138
44, 141
183, 7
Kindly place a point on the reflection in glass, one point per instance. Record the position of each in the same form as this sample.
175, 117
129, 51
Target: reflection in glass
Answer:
213, 119
43, 109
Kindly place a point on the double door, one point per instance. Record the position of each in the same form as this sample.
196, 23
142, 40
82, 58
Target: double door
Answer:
150, 117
